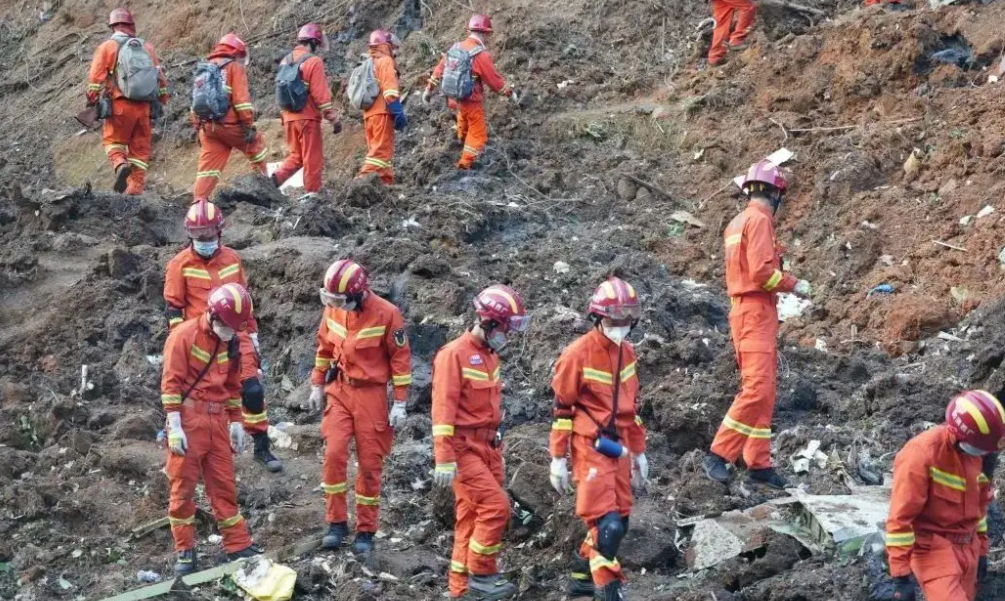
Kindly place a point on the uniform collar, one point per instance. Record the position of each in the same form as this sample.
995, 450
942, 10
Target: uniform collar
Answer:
603, 341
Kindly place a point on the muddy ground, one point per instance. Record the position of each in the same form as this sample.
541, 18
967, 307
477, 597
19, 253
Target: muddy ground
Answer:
853, 94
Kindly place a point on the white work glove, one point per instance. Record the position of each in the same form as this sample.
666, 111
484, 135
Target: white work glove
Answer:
515, 96
177, 441
317, 398
560, 475
237, 437
803, 289
443, 475
254, 341
640, 470
397, 415
427, 96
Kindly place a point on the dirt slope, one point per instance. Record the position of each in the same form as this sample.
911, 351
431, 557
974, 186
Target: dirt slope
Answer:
81, 272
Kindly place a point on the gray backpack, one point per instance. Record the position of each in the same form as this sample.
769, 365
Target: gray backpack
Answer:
135, 72
363, 89
210, 98
458, 76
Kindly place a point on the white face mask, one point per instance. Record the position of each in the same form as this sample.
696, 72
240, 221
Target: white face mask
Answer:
205, 248
972, 450
616, 335
223, 332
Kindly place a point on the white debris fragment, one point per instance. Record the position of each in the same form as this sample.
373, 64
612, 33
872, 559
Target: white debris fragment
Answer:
821, 345
564, 84
688, 218
280, 439
561, 267
965, 220
790, 305
155, 360
410, 223
987, 210
812, 454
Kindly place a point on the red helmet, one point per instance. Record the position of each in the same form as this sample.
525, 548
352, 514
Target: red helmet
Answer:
976, 418
480, 23
615, 299
120, 16
765, 172
236, 43
345, 281
231, 304
311, 31
502, 305
204, 220
382, 36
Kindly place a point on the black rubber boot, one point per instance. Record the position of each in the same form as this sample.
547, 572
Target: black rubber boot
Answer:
264, 455
769, 477
363, 544
121, 177
336, 536
611, 592
249, 551
185, 564
716, 469
489, 588
580, 578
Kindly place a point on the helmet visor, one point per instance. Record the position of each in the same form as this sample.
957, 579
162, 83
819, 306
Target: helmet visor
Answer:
335, 301
519, 323
204, 234
624, 312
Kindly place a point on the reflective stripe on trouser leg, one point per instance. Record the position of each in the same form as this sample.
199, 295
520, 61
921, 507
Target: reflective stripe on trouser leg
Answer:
183, 475
294, 157
336, 427
476, 134
312, 151
464, 525
379, 147
140, 150
213, 156
480, 483
746, 427
373, 442
221, 488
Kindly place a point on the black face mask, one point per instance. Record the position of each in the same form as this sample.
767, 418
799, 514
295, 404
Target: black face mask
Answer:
776, 203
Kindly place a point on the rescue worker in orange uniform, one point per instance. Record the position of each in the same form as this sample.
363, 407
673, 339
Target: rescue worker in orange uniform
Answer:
472, 130
303, 129
937, 527
127, 133
726, 37
467, 412
199, 391
362, 346
596, 389
754, 276
237, 128
203, 266
386, 115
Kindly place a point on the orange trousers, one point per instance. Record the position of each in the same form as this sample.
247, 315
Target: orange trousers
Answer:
207, 429
472, 131
746, 428
603, 485
128, 138
304, 149
481, 508
379, 147
723, 12
254, 422
217, 141
360, 413
946, 571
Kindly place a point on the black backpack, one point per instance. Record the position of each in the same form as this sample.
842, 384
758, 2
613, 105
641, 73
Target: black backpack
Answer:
291, 91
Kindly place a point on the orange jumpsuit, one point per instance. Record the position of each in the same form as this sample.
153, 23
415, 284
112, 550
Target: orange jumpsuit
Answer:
937, 527
722, 12
187, 285
127, 133
206, 413
219, 138
378, 120
753, 276
472, 130
303, 129
584, 401
370, 348
467, 400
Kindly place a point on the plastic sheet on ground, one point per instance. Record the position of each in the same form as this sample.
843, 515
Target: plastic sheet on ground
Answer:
265, 580
296, 180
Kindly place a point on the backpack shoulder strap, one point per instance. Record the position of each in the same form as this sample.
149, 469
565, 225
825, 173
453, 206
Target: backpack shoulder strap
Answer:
303, 58
476, 51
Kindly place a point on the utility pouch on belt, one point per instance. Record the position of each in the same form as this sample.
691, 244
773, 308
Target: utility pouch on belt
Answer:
608, 447
332, 374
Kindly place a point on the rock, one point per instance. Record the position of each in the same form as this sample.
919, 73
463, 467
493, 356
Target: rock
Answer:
649, 542
133, 360
122, 263
252, 188
911, 167
137, 426
13, 462
949, 187
643, 195
429, 266
78, 440
531, 488
367, 191
133, 460
627, 190
407, 563
14, 393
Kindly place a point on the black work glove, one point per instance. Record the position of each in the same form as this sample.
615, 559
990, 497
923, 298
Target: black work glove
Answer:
250, 134
337, 127
904, 589
982, 568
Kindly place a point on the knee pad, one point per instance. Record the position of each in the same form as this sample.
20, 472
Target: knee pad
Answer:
253, 395
610, 531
